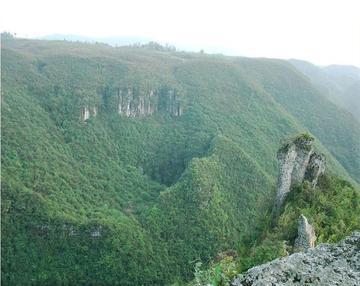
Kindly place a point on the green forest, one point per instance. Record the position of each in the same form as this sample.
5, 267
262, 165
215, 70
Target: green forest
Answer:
333, 208
144, 165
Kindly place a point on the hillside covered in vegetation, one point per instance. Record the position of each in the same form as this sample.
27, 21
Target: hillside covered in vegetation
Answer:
127, 166
315, 208
340, 84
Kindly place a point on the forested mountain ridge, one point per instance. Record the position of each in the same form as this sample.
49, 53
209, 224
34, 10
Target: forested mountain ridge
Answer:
125, 165
340, 84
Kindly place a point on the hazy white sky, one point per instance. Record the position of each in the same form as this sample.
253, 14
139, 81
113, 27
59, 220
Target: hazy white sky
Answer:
320, 31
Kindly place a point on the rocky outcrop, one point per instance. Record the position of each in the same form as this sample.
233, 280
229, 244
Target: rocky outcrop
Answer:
297, 162
96, 232
315, 168
327, 264
306, 235
293, 159
69, 230
133, 102
133, 105
85, 115
87, 111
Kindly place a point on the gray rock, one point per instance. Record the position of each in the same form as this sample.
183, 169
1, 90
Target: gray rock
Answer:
293, 160
297, 162
135, 102
315, 168
327, 264
96, 232
306, 235
86, 112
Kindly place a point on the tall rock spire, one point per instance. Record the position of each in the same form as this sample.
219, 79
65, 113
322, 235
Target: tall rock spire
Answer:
297, 162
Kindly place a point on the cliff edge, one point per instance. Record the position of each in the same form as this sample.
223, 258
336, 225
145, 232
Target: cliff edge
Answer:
326, 264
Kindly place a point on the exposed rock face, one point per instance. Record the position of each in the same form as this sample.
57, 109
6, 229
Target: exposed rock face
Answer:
86, 112
135, 106
297, 161
293, 160
96, 232
69, 230
136, 103
327, 264
306, 235
315, 168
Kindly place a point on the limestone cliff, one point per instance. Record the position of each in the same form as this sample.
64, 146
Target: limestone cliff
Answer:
315, 168
327, 264
133, 102
297, 162
87, 112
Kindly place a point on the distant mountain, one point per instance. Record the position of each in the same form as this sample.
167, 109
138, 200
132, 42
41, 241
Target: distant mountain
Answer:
343, 73
126, 41
113, 41
127, 165
341, 84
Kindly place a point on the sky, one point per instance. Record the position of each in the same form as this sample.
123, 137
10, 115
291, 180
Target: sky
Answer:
320, 31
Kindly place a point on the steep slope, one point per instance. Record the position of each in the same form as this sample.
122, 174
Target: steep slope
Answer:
122, 166
299, 97
341, 84
311, 207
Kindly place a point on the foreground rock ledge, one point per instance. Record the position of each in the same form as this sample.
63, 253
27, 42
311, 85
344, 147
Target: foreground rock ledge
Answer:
327, 264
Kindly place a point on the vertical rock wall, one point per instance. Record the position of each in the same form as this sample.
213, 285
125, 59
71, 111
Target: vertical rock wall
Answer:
286, 167
87, 112
297, 162
315, 168
135, 103
293, 160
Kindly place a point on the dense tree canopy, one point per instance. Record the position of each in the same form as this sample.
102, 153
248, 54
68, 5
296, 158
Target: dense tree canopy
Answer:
137, 200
